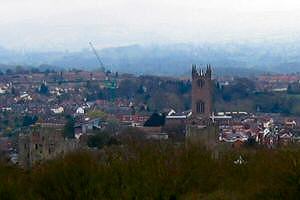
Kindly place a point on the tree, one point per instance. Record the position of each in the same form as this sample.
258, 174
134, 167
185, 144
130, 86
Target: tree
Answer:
156, 119
9, 72
29, 120
44, 89
97, 114
251, 142
128, 88
34, 70
101, 139
20, 70
13, 90
69, 129
113, 126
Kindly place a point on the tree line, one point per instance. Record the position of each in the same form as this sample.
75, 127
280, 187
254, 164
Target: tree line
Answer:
157, 170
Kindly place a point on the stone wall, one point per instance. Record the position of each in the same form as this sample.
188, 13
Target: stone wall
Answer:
40, 143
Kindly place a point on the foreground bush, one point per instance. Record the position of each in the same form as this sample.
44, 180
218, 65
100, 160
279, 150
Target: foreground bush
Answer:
158, 171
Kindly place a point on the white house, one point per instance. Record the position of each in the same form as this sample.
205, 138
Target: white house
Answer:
80, 111
58, 110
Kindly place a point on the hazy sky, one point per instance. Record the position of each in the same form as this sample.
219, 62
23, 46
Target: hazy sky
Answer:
71, 24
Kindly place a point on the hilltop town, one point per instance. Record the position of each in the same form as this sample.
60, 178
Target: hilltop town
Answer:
44, 114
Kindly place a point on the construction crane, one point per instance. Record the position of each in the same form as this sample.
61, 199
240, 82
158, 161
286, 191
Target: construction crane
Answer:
98, 57
108, 83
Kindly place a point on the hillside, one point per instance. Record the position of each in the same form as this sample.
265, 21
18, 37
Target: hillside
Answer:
173, 59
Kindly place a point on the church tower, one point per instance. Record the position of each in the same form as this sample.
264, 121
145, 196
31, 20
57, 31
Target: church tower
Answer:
202, 88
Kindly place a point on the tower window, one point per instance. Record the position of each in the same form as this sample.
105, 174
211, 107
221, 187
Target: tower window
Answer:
200, 107
200, 83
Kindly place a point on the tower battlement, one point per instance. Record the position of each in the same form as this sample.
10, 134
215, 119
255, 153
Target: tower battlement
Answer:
196, 73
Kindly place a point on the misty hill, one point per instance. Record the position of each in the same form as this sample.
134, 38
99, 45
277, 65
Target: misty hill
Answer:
173, 59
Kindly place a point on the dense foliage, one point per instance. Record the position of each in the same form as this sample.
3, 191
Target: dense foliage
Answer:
242, 95
69, 130
101, 139
158, 171
157, 93
29, 120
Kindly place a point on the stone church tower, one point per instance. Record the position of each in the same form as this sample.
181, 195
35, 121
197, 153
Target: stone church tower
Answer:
202, 88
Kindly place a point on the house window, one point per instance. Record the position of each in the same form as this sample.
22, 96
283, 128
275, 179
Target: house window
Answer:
200, 107
200, 83
36, 146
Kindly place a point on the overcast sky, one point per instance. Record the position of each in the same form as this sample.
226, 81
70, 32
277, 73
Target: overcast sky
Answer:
71, 24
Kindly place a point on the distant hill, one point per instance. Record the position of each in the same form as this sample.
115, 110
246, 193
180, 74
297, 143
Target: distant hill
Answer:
173, 59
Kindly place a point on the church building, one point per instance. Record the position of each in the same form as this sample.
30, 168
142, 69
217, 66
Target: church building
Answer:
202, 89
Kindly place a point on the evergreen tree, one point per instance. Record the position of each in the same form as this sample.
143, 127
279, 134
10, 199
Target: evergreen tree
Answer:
69, 130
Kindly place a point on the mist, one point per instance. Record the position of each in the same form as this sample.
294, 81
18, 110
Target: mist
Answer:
60, 25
